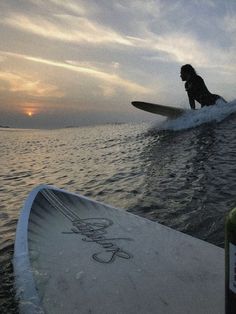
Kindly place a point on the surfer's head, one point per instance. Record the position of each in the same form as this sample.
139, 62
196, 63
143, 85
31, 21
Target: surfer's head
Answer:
186, 72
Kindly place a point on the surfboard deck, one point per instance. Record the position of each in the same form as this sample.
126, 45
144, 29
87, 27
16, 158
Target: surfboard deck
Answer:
75, 255
167, 111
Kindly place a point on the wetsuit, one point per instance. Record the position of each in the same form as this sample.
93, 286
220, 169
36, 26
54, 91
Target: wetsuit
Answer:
198, 91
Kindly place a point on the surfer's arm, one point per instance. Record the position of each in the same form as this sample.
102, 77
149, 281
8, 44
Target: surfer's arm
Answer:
188, 88
191, 102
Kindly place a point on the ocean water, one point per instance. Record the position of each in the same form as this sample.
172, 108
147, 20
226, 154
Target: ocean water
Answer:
181, 173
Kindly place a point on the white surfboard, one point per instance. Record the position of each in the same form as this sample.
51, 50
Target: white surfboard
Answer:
76, 255
167, 111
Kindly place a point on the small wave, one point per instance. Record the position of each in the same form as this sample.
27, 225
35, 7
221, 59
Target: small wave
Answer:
16, 176
194, 118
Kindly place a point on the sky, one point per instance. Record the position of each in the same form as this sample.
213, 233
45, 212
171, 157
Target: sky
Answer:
81, 62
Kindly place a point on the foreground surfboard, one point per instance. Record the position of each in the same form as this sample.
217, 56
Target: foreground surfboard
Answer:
167, 111
76, 255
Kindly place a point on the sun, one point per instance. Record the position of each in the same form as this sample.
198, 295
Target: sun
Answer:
30, 109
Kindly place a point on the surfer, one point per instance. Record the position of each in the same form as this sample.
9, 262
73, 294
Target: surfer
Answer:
196, 88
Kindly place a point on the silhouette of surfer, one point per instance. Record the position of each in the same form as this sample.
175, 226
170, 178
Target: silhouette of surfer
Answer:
196, 88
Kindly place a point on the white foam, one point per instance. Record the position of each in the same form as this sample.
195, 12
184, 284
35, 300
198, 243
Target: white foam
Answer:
194, 118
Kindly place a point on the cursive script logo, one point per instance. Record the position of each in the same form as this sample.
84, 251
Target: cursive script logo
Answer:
94, 230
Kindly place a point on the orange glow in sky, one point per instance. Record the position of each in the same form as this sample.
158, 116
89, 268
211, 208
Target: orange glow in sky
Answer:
29, 112
30, 109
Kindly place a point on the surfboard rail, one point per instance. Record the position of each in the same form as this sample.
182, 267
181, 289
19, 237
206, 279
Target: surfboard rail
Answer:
163, 110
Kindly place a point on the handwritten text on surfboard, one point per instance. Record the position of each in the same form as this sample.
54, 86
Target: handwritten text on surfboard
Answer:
95, 231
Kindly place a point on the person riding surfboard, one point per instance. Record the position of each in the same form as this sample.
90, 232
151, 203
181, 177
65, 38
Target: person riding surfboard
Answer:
196, 88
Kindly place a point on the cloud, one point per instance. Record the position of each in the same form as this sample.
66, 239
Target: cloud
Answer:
175, 47
179, 48
66, 28
140, 8
182, 46
2, 58
95, 65
70, 6
107, 91
111, 79
229, 23
186, 48
14, 82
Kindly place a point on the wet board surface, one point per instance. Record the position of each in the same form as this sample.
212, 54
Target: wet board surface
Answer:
76, 255
167, 111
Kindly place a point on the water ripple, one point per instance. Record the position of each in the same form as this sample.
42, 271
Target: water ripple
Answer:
185, 180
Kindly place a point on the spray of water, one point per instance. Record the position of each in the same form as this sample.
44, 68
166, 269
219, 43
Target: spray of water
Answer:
194, 118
